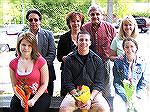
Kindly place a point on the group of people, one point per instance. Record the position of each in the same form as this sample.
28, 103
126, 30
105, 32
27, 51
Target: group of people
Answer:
85, 52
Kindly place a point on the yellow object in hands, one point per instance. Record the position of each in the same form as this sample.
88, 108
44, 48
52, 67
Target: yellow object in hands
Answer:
83, 95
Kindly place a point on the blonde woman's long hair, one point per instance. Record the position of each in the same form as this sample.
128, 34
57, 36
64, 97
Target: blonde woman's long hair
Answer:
129, 19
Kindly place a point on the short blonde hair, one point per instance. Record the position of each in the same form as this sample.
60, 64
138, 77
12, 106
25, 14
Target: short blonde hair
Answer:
129, 19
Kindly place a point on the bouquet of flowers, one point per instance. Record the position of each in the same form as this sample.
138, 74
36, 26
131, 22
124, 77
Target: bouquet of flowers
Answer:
129, 90
24, 91
83, 94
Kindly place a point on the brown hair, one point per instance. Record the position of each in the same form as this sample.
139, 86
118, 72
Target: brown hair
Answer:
130, 39
30, 37
73, 14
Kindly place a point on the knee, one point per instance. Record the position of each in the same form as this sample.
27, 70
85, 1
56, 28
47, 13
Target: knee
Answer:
63, 109
104, 110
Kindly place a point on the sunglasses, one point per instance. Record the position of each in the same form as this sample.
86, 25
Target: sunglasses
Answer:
93, 14
31, 20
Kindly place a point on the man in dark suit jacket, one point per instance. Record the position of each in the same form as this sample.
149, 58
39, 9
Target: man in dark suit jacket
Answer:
45, 41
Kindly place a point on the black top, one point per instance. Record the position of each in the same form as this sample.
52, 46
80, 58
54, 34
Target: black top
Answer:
90, 73
65, 46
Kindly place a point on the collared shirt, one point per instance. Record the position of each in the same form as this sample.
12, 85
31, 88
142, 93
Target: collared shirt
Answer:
36, 34
101, 38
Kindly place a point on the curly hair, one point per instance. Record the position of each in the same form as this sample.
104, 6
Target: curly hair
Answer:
72, 15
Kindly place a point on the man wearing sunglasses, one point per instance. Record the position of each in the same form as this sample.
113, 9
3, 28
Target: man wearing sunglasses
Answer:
102, 34
45, 41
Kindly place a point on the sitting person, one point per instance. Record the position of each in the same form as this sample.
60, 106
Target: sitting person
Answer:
133, 69
84, 67
29, 72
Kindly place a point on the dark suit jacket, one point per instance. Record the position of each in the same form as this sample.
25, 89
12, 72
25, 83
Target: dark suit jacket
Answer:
46, 46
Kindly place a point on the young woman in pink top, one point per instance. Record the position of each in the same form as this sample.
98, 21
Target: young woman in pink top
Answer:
29, 71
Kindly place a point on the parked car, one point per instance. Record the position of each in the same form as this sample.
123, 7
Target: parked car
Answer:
143, 23
14, 29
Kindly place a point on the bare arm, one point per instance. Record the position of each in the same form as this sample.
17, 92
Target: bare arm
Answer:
14, 82
43, 86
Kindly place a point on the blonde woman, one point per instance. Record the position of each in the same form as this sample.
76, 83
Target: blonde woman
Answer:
128, 28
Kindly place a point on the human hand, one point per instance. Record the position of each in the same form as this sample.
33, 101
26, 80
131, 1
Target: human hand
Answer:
83, 106
64, 58
31, 102
120, 57
23, 103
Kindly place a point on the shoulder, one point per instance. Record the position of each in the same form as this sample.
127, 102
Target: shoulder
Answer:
107, 23
13, 63
119, 61
15, 60
95, 56
140, 59
66, 35
46, 32
117, 39
40, 61
71, 56
87, 24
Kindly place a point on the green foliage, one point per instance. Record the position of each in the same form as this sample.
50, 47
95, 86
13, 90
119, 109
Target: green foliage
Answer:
55, 11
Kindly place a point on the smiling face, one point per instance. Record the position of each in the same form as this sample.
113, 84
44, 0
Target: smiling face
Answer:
130, 49
25, 48
95, 16
128, 28
75, 23
83, 43
34, 22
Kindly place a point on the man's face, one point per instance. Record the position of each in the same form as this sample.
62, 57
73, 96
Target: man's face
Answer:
96, 16
34, 22
83, 42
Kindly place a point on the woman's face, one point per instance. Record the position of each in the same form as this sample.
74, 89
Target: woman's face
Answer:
130, 49
75, 23
128, 28
25, 48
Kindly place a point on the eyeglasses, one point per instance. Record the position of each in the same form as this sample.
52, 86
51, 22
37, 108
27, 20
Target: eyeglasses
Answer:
93, 14
31, 19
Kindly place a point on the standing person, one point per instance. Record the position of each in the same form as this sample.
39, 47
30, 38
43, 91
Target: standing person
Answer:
45, 41
67, 42
102, 34
84, 67
133, 68
29, 71
128, 28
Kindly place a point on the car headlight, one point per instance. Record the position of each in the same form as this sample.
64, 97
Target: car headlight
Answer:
4, 48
